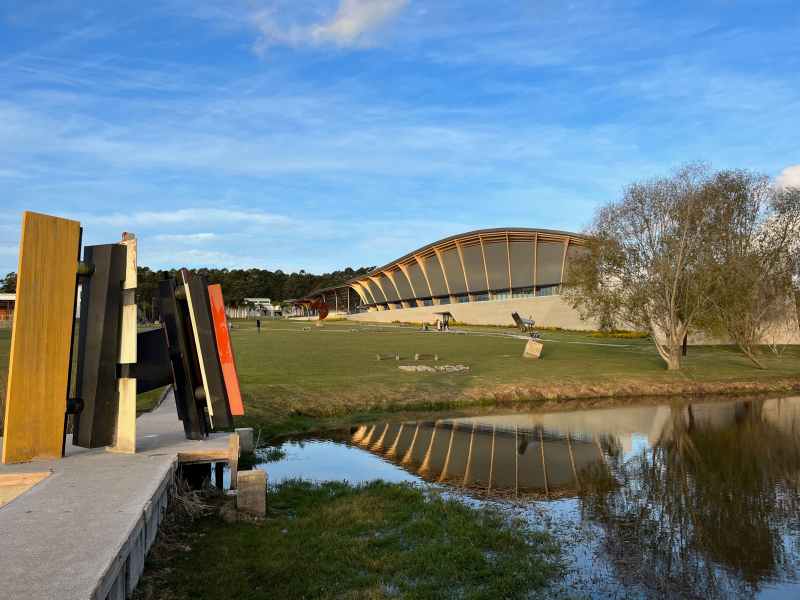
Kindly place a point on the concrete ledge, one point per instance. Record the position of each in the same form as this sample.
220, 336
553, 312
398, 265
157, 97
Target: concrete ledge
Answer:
83, 532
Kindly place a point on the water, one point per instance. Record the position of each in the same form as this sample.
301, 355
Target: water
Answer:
685, 499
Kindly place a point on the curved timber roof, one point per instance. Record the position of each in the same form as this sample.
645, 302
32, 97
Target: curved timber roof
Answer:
467, 267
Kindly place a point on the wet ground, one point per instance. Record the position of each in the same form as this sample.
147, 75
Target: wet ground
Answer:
674, 500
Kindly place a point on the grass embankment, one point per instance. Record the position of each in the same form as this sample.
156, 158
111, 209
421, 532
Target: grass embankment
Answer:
333, 540
296, 376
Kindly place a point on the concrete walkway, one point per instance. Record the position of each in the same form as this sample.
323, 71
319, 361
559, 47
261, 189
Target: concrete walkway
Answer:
83, 532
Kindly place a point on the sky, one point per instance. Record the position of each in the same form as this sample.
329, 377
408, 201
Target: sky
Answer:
330, 133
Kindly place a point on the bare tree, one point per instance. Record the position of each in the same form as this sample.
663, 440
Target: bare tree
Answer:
788, 201
646, 260
750, 236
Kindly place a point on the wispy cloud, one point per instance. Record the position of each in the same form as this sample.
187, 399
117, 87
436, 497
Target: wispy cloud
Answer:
185, 217
186, 238
348, 23
789, 178
470, 114
356, 18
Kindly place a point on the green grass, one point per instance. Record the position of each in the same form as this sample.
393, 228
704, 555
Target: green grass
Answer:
334, 540
296, 376
295, 379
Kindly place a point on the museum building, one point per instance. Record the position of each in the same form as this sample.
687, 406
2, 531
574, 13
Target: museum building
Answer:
479, 277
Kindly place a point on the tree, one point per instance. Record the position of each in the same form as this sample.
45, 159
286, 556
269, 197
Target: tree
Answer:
646, 262
8, 285
788, 200
751, 233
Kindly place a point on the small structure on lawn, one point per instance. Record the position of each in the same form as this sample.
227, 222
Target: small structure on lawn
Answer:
443, 320
534, 347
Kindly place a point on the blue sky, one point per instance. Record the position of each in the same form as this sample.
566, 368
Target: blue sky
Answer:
332, 133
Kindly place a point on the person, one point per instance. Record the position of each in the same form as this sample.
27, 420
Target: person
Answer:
258, 325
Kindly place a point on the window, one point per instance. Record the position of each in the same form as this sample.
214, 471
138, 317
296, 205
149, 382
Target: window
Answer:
548, 290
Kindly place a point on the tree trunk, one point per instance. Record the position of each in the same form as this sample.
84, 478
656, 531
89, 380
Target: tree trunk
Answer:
670, 350
797, 307
674, 357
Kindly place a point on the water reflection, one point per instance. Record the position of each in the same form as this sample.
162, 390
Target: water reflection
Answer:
710, 510
496, 455
696, 500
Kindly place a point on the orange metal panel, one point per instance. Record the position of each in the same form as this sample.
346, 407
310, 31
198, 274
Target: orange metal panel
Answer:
225, 350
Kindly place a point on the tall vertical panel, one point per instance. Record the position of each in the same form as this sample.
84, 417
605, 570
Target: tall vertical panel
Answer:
549, 258
219, 411
98, 346
473, 264
497, 264
41, 339
402, 284
435, 275
182, 355
521, 264
417, 280
455, 274
225, 349
388, 287
376, 292
365, 292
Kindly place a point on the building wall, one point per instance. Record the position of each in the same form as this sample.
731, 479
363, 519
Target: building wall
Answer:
547, 311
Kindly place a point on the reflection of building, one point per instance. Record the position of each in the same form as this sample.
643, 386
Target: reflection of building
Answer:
556, 453
476, 454
482, 276
7, 302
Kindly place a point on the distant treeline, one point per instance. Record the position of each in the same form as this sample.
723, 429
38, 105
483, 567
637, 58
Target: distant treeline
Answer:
237, 284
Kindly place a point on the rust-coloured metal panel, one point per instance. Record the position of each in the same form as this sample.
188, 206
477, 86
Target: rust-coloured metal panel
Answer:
225, 350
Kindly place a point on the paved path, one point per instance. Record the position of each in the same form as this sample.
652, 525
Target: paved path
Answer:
82, 533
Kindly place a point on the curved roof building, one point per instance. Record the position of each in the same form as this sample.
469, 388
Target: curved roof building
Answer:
500, 264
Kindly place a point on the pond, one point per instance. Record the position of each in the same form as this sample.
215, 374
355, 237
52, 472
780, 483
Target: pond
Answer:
683, 499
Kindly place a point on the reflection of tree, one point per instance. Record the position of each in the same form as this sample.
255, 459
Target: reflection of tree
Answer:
704, 512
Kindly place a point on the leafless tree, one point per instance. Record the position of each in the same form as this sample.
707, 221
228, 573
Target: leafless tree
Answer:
646, 262
751, 233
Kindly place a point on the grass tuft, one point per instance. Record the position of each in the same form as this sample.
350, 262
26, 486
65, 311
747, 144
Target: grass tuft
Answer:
334, 540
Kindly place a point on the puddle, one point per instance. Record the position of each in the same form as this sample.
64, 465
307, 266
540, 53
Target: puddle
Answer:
690, 500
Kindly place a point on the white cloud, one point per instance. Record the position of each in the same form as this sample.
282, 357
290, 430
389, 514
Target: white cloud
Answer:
789, 178
356, 18
351, 25
186, 237
186, 216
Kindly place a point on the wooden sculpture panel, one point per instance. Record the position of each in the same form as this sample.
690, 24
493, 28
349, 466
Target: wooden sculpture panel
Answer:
41, 339
206, 347
180, 344
225, 350
125, 435
98, 347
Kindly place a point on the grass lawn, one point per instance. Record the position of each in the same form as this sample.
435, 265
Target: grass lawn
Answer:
333, 540
297, 376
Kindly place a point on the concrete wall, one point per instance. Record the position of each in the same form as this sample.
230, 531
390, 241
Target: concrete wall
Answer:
547, 311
